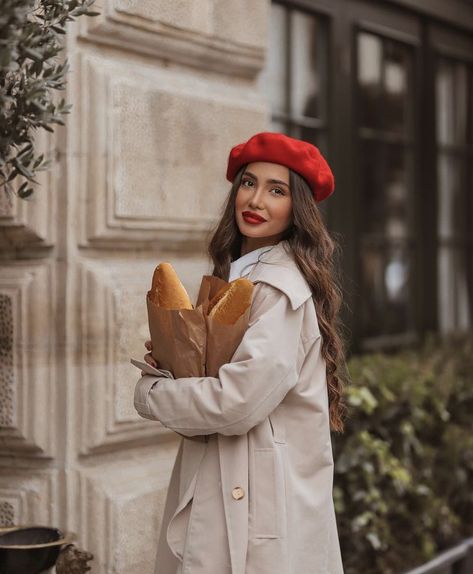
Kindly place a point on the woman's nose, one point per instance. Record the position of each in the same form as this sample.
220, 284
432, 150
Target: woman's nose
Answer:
256, 199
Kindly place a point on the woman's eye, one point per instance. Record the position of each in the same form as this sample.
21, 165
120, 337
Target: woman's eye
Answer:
244, 181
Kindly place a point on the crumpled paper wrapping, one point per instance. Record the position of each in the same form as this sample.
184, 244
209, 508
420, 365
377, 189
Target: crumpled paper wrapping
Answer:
187, 342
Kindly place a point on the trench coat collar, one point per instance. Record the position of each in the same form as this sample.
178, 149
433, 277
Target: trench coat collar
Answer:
278, 268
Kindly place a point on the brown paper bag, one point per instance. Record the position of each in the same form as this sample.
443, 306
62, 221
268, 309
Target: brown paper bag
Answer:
188, 343
179, 339
222, 340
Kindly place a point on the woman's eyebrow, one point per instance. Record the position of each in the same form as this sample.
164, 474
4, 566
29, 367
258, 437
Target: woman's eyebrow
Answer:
269, 180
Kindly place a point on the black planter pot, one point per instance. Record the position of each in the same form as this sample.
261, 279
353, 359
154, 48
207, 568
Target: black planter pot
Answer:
30, 549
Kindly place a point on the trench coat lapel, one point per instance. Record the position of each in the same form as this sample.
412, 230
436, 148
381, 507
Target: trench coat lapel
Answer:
278, 268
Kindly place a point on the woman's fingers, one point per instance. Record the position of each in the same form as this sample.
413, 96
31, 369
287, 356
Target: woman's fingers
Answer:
149, 359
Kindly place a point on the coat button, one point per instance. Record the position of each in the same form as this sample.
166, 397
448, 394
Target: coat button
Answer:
238, 493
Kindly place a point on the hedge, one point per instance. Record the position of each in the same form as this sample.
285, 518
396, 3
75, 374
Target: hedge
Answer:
403, 485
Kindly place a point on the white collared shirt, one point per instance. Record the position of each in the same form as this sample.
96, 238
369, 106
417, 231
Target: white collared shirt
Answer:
244, 264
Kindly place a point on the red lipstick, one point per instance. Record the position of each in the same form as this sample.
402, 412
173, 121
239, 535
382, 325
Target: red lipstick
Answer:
251, 217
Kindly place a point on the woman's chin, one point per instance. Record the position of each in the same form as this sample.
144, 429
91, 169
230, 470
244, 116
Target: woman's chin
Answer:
253, 230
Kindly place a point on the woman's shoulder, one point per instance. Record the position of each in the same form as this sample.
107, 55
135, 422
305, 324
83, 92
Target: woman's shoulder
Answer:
278, 269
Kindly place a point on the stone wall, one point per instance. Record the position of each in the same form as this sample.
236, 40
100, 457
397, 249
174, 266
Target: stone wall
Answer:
160, 92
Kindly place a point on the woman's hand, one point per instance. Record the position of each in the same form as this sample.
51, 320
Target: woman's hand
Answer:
148, 357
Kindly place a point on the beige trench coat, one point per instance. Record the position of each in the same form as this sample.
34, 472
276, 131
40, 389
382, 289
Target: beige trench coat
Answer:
254, 495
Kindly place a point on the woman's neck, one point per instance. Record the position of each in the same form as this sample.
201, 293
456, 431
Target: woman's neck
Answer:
252, 243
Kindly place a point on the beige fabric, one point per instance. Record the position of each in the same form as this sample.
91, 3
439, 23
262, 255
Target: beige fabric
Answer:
196, 530
269, 408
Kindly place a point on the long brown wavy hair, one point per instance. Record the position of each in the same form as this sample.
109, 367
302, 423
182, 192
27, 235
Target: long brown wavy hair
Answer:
314, 250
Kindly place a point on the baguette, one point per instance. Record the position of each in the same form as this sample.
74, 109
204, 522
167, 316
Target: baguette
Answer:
216, 298
167, 291
231, 301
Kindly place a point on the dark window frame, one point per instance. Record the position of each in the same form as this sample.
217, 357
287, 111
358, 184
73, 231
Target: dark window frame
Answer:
448, 45
412, 241
397, 19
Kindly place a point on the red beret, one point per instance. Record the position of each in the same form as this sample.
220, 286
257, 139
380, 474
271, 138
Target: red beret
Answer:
303, 157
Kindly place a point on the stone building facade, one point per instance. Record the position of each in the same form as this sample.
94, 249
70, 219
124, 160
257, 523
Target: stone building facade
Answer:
160, 92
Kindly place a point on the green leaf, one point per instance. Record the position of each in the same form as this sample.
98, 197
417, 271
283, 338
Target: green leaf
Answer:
13, 174
27, 149
25, 192
33, 54
23, 170
38, 160
374, 540
44, 165
46, 126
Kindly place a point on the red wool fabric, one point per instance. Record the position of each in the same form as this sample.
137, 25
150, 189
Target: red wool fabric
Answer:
303, 157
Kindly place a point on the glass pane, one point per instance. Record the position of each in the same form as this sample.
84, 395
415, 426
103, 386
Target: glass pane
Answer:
384, 80
312, 135
452, 208
318, 138
396, 83
445, 106
386, 194
370, 53
455, 289
452, 97
385, 290
461, 101
308, 55
272, 81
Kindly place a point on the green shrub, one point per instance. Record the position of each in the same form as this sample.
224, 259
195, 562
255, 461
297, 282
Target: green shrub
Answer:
404, 466
30, 69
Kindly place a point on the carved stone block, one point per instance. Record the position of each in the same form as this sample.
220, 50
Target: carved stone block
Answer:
32, 222
28, 496
113, 327
225, 37
153, 167
27, 369
130, 493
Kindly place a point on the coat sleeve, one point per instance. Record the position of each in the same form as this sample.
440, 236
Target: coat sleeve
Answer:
264, 367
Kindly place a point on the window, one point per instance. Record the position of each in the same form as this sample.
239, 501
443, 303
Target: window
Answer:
295, 74
294, 77
393, 88
385, 110
454, 137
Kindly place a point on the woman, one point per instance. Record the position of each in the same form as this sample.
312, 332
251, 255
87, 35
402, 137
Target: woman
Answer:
251, 487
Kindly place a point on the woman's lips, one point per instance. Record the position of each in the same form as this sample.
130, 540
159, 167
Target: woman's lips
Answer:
251, 219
